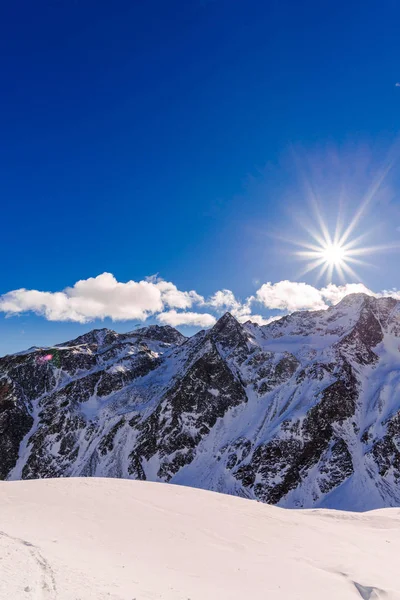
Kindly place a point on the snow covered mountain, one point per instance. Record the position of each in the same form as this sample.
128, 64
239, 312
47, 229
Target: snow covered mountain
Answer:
103, 539
304, 412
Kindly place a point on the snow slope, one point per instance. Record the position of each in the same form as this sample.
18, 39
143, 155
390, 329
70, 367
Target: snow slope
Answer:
110, 539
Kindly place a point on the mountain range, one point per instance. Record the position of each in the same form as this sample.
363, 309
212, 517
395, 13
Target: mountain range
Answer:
303, 412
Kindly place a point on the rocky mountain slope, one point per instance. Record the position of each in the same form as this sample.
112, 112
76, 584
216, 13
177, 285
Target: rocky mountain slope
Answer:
302, 412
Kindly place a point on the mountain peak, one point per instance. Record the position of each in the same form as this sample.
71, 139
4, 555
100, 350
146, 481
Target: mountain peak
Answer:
95, 336
356, 299
161, 333
226, 323
227, 318
229, 332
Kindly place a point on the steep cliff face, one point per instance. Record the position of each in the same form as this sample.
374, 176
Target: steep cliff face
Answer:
302, 412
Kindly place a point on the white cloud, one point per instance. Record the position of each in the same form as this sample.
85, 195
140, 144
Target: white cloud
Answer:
174, 318
389, 293
290, 296
100, 297
224, 300
104, 297
259, 319
335, 293
177, 299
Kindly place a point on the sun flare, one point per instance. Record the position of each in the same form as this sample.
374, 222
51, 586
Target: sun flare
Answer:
331, 254
334, 254
332, 246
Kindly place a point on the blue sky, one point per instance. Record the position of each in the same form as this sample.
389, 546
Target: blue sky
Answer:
183, 139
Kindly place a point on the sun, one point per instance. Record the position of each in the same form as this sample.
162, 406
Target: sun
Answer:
333, 247
334, 254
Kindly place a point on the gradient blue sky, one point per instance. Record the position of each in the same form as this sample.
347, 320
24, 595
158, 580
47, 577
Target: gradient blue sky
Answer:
179, 138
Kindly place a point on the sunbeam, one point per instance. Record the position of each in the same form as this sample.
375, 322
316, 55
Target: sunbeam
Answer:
334, 254
335, 242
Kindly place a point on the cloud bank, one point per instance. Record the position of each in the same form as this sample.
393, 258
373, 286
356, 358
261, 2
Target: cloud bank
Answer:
291, 296
104, 297
100, 297
175, 318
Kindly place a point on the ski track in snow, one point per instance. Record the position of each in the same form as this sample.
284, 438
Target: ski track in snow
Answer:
34, 578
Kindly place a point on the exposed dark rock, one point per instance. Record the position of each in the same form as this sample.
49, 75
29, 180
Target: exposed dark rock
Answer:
164, 333
15, 423
188, 412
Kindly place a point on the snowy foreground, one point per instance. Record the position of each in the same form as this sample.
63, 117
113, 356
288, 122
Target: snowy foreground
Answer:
81, 539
